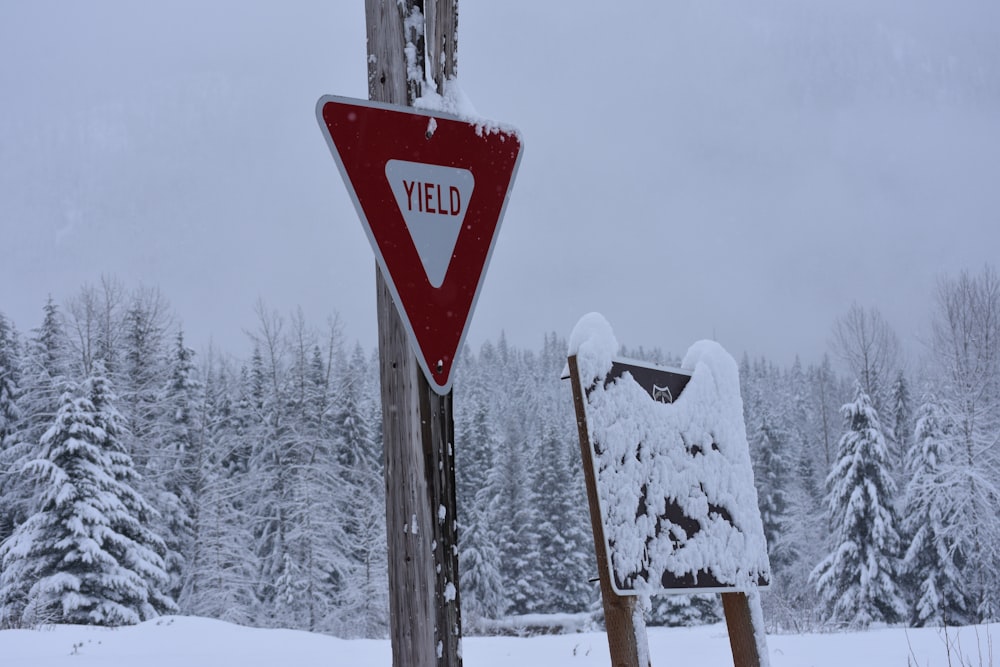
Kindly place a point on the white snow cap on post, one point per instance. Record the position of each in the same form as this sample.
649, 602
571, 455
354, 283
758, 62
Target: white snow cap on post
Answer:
595, 346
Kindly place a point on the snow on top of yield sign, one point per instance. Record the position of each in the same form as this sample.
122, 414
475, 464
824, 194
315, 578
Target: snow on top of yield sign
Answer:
456, 103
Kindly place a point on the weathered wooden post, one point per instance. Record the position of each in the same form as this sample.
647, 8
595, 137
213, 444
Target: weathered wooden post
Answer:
430, 188
739, 621
417, 423
620, 611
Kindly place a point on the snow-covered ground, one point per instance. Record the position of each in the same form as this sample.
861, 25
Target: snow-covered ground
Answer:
197, 642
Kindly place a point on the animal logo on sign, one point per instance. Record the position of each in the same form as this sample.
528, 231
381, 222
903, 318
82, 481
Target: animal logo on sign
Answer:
662, 394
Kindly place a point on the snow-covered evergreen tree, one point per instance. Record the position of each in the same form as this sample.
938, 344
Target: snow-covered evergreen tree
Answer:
932, 564
176, 460
565, 542
514, 504
901, 422
857, 578
966, 346
269, 434
298, 486
803, 423
87, 555
14, 494
10, 367
483, 588
144, 372
219, 567
685, 610
146, 549
45, 370
41, 375
771, 476
363, 604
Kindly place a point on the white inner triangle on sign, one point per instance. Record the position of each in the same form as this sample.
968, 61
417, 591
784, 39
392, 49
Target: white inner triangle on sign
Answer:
433, 200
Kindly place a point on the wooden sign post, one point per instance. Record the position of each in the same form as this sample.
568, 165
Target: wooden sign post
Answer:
622, 614
430, 189
739, 622
417, 423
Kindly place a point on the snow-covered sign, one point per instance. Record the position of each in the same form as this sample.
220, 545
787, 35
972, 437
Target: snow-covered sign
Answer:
672, 465
430, 189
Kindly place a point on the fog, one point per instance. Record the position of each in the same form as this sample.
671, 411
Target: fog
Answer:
691, 169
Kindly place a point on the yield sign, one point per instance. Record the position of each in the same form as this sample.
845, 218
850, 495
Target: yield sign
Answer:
430, 190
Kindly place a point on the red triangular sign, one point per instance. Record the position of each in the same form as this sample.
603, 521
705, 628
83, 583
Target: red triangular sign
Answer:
430, 190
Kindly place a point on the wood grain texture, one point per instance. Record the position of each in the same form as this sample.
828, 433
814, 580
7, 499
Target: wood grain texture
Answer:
736, 607
417, 423
442, 46
386, 60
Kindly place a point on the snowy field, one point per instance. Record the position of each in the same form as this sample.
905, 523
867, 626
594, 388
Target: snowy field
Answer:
197, 642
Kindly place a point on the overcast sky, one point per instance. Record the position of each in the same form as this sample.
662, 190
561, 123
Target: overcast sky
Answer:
692, 169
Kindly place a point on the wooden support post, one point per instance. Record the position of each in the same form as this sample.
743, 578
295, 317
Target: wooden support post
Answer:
622, 615
417, 423
442, 27
739, 620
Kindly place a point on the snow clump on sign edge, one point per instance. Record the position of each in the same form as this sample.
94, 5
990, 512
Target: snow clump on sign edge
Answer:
595, 346
457, 104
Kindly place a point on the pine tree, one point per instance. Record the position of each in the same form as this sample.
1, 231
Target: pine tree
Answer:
271, 464
565, 540
790, 601
299, 487
564, 559
14, 493
44, 373
966, 346
10, 367
857, 578
514, 503
772, 477
685, 610
932, 565
86, 555
176, 460
144, 374
902, 428
364, 603
482, 585
220, 566
145, 549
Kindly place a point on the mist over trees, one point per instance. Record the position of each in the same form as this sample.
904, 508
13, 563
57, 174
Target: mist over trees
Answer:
139, 478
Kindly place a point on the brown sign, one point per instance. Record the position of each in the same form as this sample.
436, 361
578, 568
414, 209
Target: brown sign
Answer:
662, 385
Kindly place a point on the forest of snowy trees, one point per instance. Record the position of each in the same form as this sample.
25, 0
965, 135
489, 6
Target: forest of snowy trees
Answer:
137, 478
